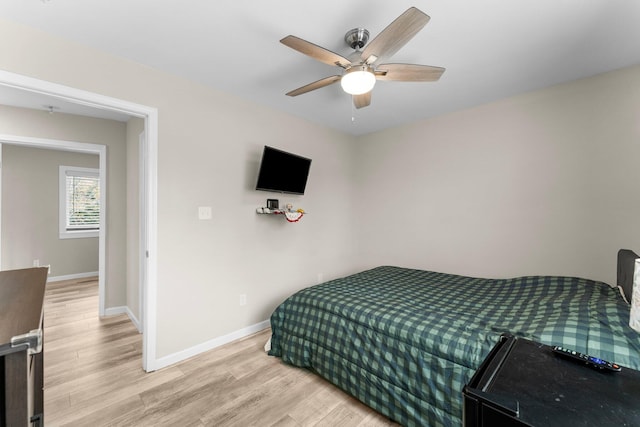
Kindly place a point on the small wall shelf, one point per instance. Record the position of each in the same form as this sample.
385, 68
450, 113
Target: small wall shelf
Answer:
291, 216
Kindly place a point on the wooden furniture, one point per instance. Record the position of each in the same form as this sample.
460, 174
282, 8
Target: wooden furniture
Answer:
524, 383
21, 364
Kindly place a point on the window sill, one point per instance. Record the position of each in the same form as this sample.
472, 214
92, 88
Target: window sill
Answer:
78, 234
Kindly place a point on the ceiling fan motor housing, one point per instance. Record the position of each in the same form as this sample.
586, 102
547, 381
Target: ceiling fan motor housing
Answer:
357, 38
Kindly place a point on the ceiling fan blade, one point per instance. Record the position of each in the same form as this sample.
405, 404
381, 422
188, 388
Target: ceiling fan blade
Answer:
396, 35
362, 100
316, 52
315, 85
408, 72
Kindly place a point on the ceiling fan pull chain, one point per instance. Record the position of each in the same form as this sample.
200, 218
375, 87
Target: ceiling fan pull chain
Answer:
353, 111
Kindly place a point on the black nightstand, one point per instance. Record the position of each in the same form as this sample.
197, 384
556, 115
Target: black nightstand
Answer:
524, 383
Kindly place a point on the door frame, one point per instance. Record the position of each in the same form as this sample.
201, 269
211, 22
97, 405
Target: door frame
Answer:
86, 148
142, 226
150, 116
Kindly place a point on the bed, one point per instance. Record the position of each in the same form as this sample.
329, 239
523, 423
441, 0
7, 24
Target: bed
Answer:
406, 341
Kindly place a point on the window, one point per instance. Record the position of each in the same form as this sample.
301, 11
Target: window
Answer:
79, 202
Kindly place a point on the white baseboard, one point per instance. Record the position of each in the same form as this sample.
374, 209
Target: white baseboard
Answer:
210, 345
112, 311
73, 276
109, 311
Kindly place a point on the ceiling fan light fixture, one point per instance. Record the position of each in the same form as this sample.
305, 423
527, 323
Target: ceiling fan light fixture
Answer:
358, 80
363, 67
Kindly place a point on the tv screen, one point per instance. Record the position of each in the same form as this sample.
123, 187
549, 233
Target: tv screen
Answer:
282, 172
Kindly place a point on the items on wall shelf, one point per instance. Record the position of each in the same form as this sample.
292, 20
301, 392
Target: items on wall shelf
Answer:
289, 214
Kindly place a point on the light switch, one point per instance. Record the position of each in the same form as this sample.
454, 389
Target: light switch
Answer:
204, 212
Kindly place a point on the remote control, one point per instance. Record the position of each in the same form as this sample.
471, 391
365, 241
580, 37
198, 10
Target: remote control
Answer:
585, 358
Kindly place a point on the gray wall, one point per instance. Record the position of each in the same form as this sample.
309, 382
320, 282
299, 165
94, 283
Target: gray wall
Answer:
30, 212
135, 127
542, 183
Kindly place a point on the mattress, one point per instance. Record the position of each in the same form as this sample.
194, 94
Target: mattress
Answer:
406, 341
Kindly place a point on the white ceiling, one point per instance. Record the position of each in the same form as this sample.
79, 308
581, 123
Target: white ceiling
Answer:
491, 48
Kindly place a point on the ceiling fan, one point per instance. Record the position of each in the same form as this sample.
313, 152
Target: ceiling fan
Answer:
363, 68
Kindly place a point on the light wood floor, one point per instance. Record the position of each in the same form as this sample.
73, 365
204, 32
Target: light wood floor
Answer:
93, 377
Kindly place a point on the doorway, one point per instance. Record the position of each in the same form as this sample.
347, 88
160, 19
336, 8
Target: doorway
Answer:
59, 146
148, 164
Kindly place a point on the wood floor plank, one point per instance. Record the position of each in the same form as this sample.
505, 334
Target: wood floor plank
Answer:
286, 421
94, 377
86, 402
341, 416
312, 410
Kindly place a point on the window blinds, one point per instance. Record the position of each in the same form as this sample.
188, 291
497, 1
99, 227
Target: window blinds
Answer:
83, 201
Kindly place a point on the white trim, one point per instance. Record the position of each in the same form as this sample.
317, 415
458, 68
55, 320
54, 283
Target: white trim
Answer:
73, 276
56, 144
115, 311
211, 344
102, 234
150, 115
142, 225
134, 320
71, 94
150, 363
77, 234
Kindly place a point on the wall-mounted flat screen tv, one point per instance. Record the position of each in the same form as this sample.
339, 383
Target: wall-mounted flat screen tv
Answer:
282, 172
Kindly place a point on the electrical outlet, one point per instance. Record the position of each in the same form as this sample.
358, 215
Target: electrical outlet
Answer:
243, 299
204, 212
320, 277
36, 263
48, 268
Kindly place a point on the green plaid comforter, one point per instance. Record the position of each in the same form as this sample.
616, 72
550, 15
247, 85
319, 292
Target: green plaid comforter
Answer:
406, 341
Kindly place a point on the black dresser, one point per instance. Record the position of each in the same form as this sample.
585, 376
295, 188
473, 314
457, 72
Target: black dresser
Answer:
21, 360
524, 383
